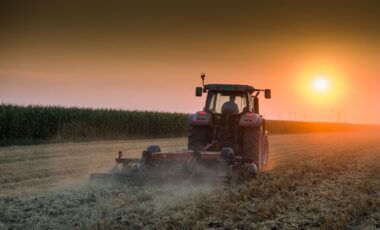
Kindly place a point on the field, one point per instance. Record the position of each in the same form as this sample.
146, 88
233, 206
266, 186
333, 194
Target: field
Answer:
328, 181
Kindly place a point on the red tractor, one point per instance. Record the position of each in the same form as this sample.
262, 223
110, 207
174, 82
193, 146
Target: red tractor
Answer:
230, 119
227, 140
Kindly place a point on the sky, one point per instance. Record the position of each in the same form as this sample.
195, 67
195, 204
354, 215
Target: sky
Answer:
148, 55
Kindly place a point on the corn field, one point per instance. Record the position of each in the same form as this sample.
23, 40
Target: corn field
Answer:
22, 125
39, 124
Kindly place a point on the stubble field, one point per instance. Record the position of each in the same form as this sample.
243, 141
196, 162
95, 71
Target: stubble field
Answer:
313, 181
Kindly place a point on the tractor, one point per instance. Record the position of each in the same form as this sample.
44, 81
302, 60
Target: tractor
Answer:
227, 141
230, 119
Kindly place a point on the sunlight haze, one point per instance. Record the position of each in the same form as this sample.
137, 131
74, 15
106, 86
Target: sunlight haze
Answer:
149, 55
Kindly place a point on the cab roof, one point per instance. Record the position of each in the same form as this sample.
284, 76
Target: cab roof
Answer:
229, 87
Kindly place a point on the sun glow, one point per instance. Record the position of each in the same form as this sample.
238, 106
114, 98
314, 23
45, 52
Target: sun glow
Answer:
321, 84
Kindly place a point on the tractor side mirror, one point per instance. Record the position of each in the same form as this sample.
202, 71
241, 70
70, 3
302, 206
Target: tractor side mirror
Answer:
198, 91
268, 93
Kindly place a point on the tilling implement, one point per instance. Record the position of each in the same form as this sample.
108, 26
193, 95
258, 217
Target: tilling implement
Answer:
227, 141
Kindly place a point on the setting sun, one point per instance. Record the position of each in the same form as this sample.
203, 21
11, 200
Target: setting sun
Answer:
321, 84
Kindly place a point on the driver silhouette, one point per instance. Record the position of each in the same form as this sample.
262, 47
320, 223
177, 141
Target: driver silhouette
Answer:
230, 106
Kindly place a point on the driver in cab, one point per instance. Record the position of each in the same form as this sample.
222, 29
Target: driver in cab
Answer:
230, 107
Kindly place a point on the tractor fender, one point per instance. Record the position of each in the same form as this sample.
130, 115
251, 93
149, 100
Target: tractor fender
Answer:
251, 120
200, 118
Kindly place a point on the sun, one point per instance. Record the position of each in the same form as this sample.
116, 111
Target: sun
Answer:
321, 84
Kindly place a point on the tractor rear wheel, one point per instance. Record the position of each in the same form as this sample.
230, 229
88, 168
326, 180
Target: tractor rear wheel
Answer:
198, 138
252, 144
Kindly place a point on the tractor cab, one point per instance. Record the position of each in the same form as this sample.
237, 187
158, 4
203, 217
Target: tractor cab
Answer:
228, 99
233, 99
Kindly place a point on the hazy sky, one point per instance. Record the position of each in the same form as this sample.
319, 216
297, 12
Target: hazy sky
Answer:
149, 54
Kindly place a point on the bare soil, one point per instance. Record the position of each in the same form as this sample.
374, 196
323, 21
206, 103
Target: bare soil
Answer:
313, 181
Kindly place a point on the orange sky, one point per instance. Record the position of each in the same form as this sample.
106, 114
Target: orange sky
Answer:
150, 55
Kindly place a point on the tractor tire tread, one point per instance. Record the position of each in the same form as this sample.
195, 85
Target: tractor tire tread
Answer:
251, 144
198, 137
